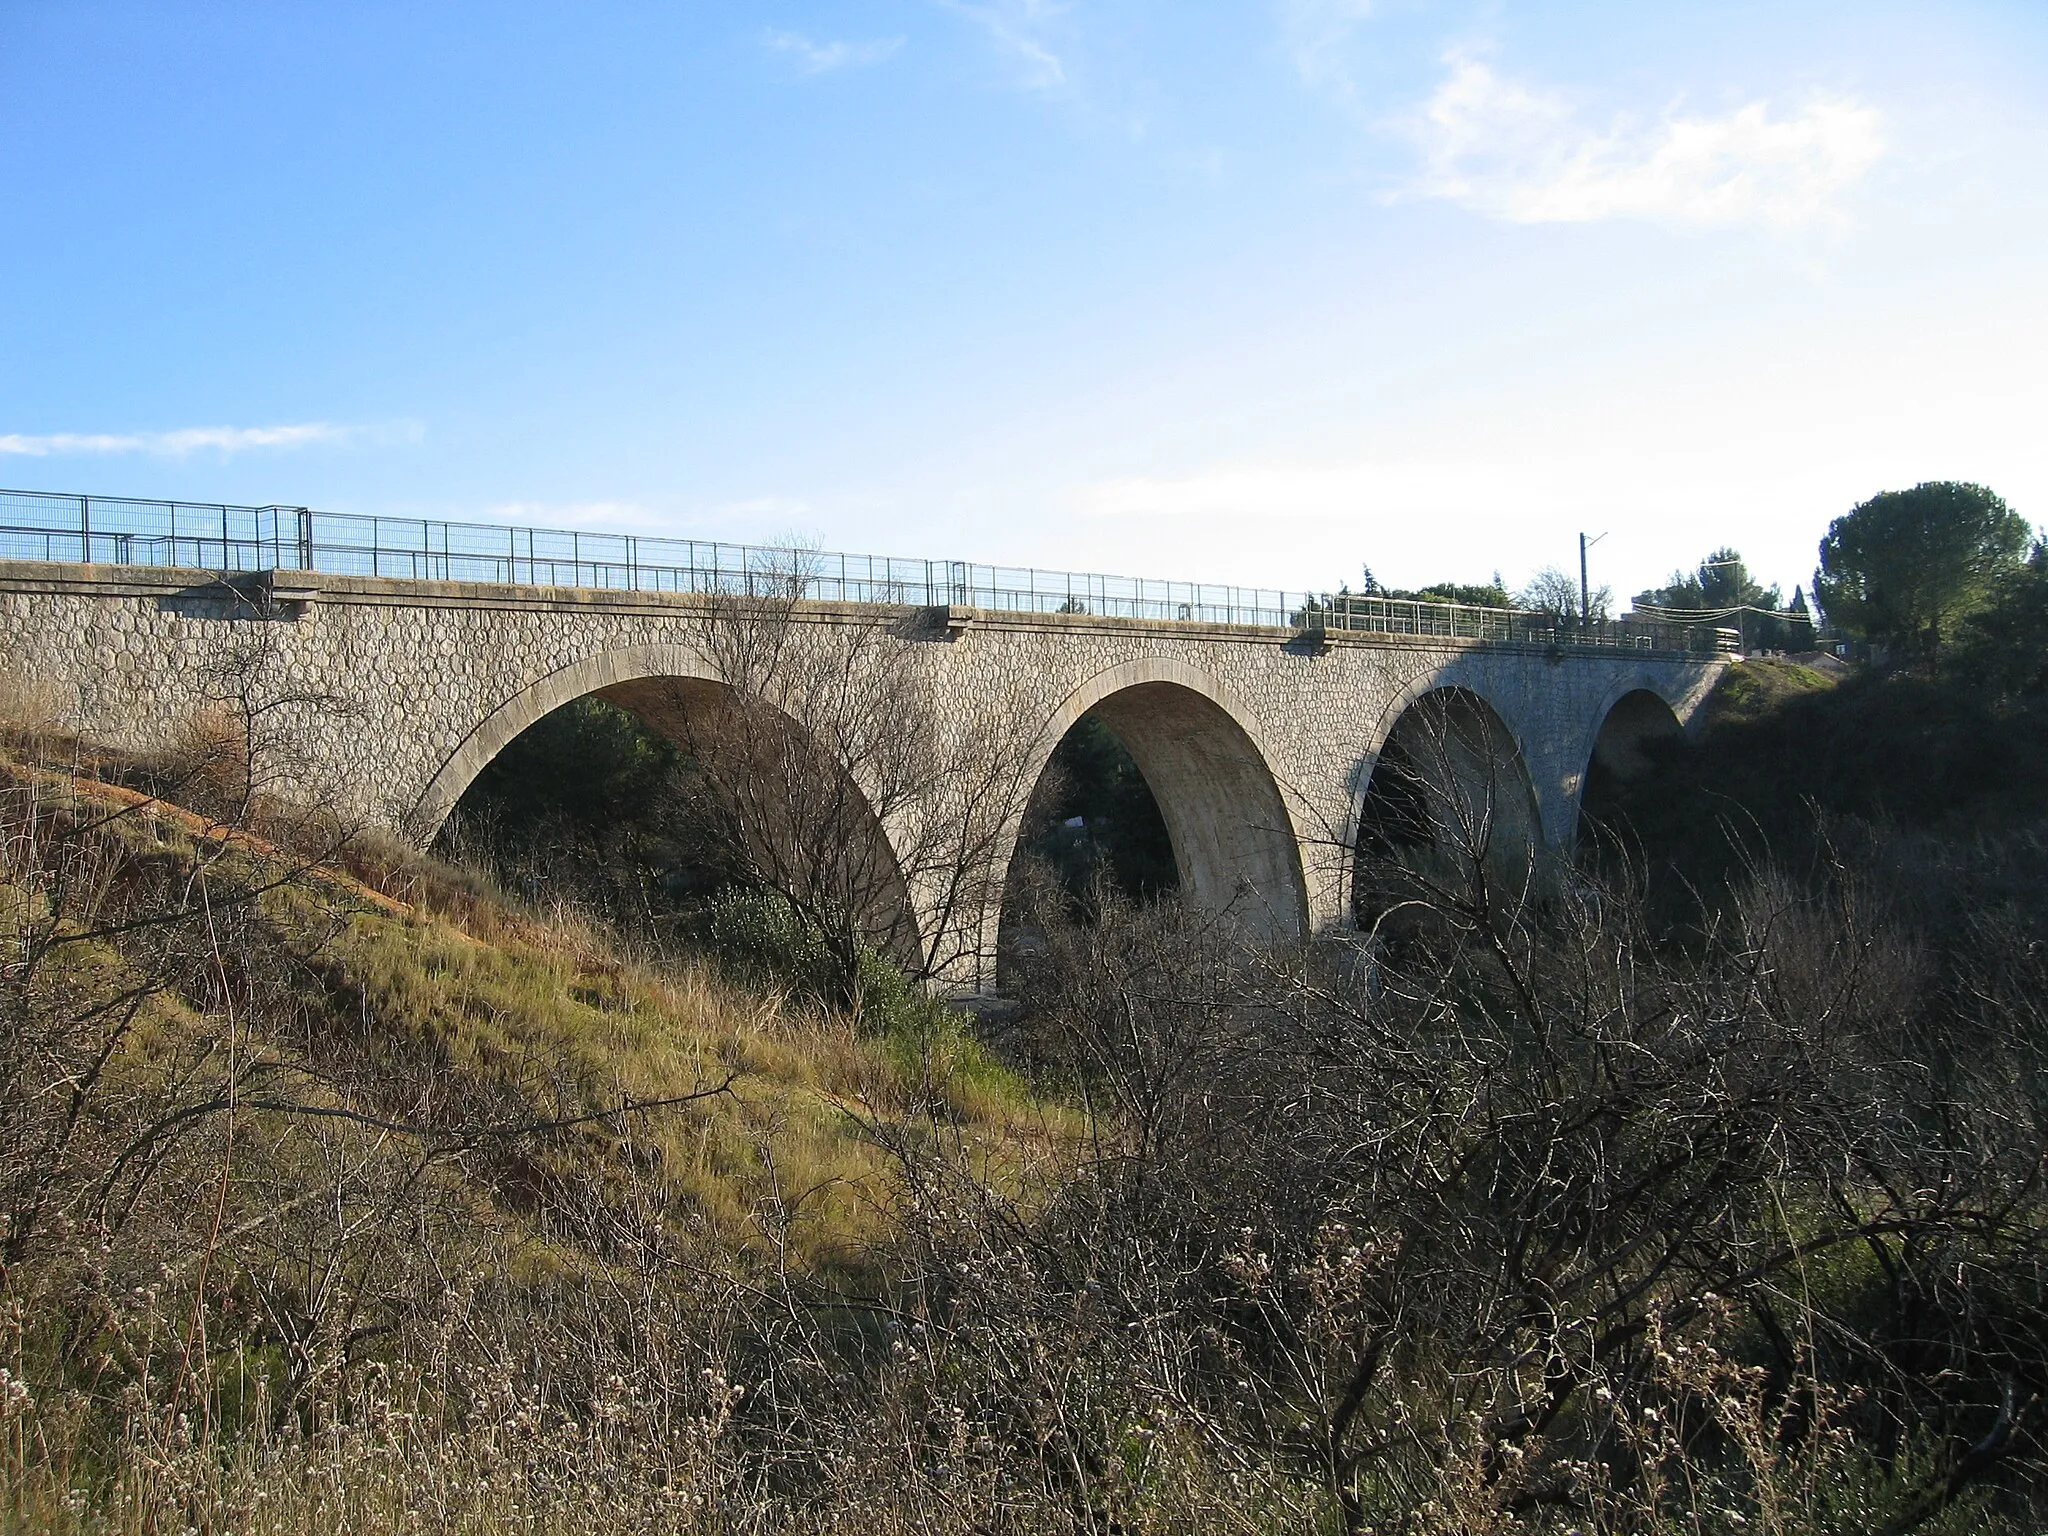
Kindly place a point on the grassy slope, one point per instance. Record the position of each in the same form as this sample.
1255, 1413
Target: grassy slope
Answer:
427, 988
1793, 766
1908, 749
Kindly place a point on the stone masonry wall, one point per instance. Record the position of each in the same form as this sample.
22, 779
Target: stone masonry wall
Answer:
404, 689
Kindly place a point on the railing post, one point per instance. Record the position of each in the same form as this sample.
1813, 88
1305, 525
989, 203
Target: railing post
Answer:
85, 529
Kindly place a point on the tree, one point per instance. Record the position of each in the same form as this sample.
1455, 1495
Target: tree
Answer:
1472, 593
1722, 587
1509, 1210
1722, 580
590, 765
1093, 815
1556, 592
1725, 582
1906, 567
826, 772
2003, 646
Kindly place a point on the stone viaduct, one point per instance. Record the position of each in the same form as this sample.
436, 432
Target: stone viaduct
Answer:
1258, 743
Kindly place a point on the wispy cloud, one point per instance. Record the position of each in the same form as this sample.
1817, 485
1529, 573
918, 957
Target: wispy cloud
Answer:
1524, 155
1018, 28
603, 516
223, 440
1316, 33
813, 58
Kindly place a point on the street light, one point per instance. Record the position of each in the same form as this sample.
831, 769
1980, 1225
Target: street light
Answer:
1585, 594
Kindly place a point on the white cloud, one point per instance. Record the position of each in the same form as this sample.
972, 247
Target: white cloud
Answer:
1304, 493
1315, 33
1017, 27
1522, 155
184, 440
823, 58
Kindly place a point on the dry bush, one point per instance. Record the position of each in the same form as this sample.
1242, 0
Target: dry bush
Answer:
323, 1212
1412, 1215
34, 712
208, 760
827, 772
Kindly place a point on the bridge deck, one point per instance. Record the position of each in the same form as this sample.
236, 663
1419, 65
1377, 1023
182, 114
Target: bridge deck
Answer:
49, 527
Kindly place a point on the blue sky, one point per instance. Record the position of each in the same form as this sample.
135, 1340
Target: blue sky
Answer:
1237, 291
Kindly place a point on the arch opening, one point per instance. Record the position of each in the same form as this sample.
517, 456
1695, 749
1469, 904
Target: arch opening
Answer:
1449, 799
653, 797
1226, 831
1639, 738
1093, 818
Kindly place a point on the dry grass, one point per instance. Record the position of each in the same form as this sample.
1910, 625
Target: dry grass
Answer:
33, 710
541, 1013
346, 1290
398, 1464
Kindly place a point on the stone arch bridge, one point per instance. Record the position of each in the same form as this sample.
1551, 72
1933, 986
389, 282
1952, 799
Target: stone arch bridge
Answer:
1258, 742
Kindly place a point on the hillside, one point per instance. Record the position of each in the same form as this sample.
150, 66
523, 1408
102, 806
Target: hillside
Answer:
1791, 766
430, 999
283, 1108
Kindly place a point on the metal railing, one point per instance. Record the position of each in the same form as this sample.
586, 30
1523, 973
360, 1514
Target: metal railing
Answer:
1347, 612
116, 530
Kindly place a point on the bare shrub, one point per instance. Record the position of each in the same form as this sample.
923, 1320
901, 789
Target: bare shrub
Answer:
242, 757
826, 771
275, 1262
1418, 1214
208, 759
